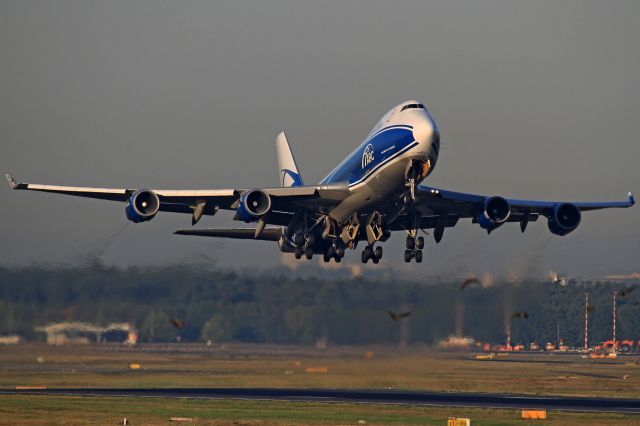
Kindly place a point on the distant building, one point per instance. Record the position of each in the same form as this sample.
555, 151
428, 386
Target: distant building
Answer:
76, 332
13, 339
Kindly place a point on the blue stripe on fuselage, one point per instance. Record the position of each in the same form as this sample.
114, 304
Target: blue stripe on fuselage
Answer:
382, 163
386, 145
395, 126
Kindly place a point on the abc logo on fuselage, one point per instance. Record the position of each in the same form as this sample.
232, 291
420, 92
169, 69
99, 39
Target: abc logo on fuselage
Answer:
367, 156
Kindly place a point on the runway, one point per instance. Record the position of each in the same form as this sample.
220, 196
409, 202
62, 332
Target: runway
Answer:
452, 399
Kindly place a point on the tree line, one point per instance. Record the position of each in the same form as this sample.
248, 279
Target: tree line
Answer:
280, 307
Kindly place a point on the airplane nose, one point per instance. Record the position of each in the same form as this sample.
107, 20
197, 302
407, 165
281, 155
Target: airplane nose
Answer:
424, 131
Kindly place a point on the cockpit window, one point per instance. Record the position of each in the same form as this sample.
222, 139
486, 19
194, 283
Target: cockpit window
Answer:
412, 106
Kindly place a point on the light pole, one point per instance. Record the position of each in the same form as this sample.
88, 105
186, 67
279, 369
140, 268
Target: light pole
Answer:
586, 321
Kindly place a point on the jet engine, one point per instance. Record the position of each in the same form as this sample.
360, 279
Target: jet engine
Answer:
565, 217
253, 205
496, 212
142, 206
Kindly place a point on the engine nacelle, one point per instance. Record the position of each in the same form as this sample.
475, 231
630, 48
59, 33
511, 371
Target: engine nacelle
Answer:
565, 217
142, 206
253, 205
496, 212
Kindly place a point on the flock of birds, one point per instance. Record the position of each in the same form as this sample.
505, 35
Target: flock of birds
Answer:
398, 316
517, 314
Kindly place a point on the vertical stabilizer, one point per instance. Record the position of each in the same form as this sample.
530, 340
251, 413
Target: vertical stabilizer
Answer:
289, 173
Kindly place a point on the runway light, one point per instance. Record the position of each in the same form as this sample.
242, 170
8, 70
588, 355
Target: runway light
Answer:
317, 370
534, 414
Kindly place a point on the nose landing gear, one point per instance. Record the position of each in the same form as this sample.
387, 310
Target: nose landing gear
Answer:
414, 175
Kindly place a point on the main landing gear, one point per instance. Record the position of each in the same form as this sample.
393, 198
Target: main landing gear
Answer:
335, 252
304, 245
414, 249
370, 253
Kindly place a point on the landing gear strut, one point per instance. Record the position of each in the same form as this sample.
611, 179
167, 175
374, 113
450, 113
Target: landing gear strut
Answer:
414, 175
410, 198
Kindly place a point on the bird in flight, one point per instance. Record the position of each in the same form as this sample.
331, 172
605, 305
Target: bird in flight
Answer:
520, 314
398, 316
468, 282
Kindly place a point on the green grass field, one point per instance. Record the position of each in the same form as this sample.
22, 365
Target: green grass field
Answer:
45, 410
178, 365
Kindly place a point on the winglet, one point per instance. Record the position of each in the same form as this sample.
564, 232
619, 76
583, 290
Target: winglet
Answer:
11, 181
630, 199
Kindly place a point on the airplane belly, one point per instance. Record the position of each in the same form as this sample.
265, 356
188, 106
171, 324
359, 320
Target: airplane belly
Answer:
377, 168
386, 182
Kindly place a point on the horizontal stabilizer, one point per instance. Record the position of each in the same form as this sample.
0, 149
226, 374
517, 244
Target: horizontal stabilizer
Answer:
268, 234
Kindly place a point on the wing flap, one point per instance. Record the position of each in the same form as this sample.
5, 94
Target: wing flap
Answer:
426, 222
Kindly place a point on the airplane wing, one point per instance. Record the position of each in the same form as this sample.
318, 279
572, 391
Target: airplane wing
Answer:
439, 208
285, 200
467, 205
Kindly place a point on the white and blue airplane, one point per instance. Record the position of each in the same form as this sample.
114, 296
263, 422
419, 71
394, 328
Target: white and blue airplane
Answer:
374, 191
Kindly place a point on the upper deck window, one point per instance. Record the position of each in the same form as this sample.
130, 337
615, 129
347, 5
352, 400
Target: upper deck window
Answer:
412, 106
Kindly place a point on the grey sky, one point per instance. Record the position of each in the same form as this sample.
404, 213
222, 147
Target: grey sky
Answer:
534, 99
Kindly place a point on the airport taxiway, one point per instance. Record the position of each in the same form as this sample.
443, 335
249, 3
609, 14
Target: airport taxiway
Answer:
449, 399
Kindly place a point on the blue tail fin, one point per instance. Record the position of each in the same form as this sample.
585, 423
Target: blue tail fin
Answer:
289, 173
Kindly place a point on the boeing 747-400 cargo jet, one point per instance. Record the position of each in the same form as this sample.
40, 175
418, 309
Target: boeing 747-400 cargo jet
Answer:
374, 191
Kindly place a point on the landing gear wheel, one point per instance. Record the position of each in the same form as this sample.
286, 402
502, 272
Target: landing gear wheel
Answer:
418, 256
299, 239
368, 251
340, 251
326, 258
367, 254
375, 259
330, 252
338, 259
411, 243
308, 252
408, 254
420, 243
298, 252
378, 252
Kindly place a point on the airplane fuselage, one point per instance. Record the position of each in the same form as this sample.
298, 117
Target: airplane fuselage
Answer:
403, 145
